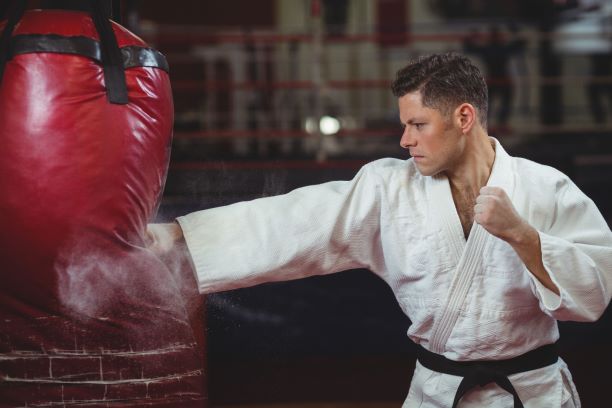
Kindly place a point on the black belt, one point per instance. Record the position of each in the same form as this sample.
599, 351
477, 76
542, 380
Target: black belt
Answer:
481, 373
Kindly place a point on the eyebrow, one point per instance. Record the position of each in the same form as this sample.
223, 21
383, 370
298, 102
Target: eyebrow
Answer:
411, 121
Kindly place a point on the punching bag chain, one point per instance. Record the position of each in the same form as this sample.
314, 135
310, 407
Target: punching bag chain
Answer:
14, 15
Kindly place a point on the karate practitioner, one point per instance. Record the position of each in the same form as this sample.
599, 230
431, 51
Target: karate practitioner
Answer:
484, 251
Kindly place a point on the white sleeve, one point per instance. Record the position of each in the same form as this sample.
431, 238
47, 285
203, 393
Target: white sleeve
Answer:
310, 231
577, 254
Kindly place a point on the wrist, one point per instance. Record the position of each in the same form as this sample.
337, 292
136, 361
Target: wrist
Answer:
523, 235
176, 232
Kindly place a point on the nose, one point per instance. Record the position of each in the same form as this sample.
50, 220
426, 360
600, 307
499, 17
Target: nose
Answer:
407, 140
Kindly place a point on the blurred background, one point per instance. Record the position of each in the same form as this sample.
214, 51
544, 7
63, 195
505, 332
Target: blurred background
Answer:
271, 95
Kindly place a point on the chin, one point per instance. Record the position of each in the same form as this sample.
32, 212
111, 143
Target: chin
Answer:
427, 171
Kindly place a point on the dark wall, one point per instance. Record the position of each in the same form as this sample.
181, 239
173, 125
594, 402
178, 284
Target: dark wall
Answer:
225, 13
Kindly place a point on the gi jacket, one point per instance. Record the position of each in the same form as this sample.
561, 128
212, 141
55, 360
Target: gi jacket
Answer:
467, 300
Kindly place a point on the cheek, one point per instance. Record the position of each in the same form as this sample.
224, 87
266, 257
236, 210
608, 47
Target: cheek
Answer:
429, 140
435, 145
450, 143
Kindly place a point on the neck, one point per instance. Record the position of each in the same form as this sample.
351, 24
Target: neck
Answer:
473, 169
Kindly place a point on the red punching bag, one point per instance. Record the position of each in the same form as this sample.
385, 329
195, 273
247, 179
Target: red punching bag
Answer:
88, 316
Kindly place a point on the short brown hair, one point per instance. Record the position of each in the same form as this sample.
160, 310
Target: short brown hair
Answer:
445, 81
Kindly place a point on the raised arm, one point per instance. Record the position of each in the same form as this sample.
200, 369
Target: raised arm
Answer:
577, 253
570, 261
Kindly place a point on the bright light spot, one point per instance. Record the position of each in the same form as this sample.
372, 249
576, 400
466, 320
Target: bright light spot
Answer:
329, 125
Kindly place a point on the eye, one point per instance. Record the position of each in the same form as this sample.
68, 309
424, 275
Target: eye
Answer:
419, 126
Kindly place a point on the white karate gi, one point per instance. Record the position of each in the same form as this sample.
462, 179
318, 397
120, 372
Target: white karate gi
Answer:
466, 300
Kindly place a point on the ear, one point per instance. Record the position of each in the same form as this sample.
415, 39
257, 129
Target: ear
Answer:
465, 117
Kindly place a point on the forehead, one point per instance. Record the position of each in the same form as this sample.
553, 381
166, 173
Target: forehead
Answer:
411, 106
411, 100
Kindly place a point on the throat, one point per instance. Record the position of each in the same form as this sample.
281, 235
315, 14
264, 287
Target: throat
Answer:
467, 220
464, 204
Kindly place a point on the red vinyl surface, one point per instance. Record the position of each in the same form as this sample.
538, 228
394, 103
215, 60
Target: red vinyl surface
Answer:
87, 315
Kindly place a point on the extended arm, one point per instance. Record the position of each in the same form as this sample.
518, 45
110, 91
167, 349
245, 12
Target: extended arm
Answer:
311, 231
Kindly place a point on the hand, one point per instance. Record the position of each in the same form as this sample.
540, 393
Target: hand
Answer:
167, 242
164, 239
495, 212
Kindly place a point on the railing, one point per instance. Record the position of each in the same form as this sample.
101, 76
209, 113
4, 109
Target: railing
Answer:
246, 90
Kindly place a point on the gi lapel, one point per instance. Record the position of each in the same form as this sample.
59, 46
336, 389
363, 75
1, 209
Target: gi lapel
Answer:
466, 255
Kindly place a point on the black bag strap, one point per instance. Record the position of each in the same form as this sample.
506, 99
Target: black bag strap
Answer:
16, 10
112, 59
116, 11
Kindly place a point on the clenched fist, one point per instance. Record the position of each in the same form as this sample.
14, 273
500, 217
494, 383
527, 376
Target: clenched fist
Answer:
495, 212
162, 239
167, 242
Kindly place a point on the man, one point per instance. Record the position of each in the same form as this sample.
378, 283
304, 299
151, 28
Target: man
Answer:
483, 251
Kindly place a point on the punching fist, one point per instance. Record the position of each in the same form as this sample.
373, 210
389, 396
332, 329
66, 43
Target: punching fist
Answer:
164, 240
495, 212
